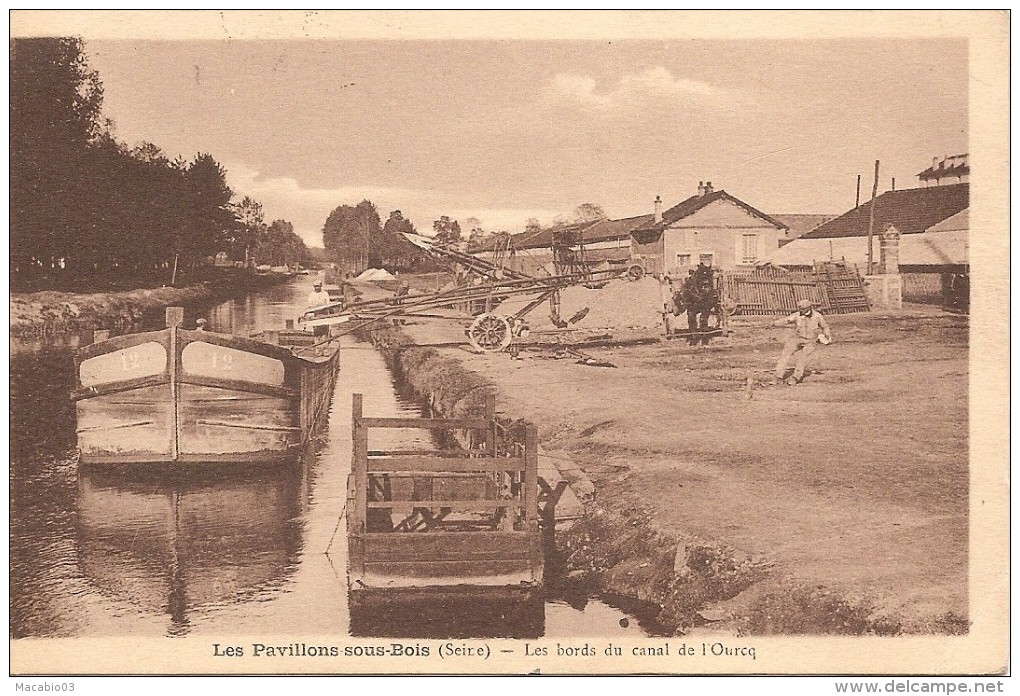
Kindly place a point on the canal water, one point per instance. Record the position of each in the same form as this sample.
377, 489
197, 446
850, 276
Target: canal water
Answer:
159, 552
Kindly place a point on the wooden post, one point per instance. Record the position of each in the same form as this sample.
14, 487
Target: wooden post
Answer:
174, 319
174, 316
490, 429
871, 222
531, 476
359, 464
857, 201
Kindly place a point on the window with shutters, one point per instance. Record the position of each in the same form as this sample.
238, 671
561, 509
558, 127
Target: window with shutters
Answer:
749, 249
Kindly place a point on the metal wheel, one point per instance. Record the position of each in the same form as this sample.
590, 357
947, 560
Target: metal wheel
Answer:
635, 271
490, 333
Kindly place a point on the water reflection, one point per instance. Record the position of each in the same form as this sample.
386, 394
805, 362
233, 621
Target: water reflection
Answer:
170, 542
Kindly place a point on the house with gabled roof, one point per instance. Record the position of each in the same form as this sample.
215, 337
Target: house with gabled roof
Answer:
713, 228
602, 240
933, 222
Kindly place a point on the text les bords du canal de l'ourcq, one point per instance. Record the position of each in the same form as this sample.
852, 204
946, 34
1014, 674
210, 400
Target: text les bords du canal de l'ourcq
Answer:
462, 649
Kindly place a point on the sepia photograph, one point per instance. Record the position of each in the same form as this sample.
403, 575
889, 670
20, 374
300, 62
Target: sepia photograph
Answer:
399, 342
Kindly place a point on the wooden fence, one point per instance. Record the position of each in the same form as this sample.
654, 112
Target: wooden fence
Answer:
834, 288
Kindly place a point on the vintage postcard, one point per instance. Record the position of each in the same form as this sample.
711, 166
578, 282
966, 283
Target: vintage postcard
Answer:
509, 343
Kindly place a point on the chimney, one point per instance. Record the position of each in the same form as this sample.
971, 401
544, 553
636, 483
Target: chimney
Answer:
708, 187
658, 209
701, 188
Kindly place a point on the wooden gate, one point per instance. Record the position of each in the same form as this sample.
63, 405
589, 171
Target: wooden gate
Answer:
833, 287
438, 518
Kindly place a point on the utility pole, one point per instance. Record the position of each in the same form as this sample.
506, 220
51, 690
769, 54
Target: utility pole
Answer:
857, 202
871, 221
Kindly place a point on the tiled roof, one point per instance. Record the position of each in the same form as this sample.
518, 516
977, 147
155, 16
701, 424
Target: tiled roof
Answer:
910, 210
799, 224
537, 239
692, 205
606, 230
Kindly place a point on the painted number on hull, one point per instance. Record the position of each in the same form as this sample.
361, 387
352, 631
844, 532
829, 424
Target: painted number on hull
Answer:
222, 361
133, 362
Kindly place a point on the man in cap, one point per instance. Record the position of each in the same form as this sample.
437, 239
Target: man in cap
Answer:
200, 324
810, 329
318, 298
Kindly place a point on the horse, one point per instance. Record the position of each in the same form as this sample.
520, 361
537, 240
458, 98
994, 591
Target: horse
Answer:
699, 299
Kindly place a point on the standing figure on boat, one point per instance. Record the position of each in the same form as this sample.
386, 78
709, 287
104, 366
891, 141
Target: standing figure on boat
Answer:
318, 298
699, 298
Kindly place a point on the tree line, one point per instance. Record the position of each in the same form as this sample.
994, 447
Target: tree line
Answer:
87, 209
355, 238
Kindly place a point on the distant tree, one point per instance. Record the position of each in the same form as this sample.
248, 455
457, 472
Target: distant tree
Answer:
589, 212
447, 231
474, 228
210, 216
560, 221
531, 226
279, 245
248, 229
348, 235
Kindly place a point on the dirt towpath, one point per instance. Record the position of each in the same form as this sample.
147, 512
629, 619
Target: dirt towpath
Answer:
855, 481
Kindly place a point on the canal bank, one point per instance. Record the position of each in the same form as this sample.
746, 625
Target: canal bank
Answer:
49, 312
836, 507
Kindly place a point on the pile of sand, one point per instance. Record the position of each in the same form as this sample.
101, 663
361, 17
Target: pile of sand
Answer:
376, 274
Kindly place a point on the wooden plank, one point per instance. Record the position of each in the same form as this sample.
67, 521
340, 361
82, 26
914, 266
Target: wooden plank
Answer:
465, 505
119, 387
437, 569
415, 545
174, 318
417, 453
446, 464
490, 418
359, 468
531, 475
426, 423
438, 541
240, 385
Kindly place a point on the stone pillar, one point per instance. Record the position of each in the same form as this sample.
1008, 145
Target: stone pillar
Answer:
889, 251
885, 289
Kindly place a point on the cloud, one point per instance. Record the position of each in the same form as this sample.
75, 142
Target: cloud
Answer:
637, 90
308, 208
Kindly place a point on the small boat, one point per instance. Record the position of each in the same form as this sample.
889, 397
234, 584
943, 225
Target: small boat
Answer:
178, 395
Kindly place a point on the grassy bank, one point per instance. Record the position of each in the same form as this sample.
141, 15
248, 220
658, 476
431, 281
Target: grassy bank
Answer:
54, 312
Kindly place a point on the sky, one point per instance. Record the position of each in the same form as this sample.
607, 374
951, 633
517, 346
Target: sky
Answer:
504, 130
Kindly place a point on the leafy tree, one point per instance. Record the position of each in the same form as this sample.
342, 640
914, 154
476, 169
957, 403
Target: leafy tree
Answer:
589, 212
55, 102
348, 236
85, 207
447, 231
279, 245
249, 227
